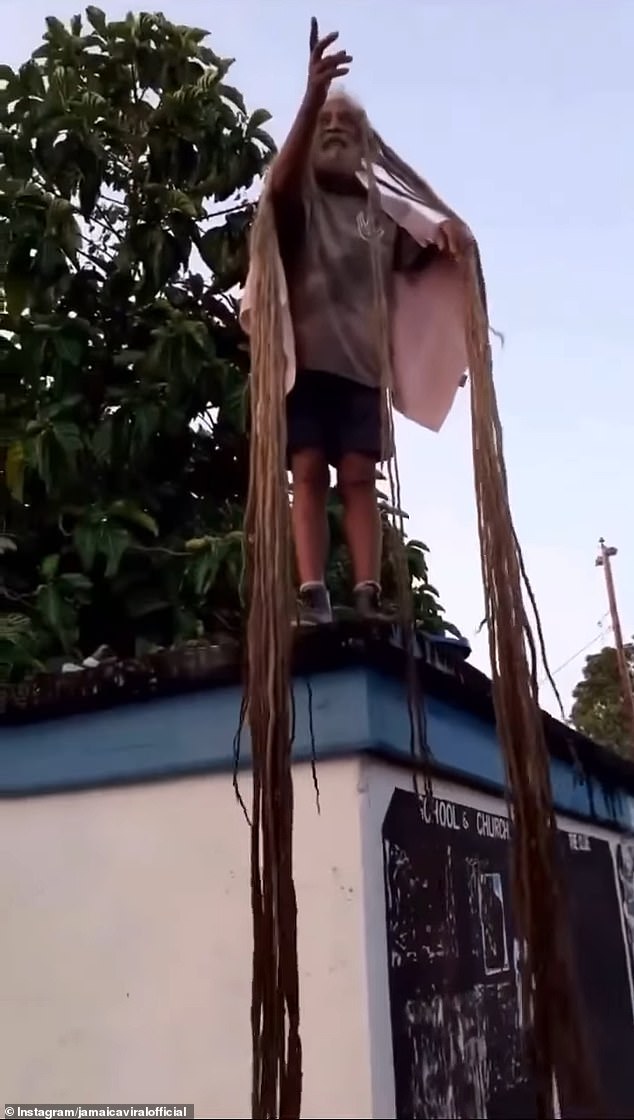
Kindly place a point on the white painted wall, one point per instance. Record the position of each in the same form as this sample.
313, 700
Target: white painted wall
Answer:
125, 941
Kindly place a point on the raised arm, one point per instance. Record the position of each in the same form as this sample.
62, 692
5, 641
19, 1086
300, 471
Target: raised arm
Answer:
287, 173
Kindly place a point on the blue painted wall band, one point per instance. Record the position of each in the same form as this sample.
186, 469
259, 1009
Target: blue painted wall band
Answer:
353, 710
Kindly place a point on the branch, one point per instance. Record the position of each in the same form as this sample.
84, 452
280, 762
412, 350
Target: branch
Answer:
15, 596
95, 264
228, 210
156, 548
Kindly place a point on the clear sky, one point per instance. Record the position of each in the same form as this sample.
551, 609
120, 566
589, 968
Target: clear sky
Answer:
520, 113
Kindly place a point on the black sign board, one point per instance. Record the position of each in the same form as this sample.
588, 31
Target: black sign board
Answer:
453, 964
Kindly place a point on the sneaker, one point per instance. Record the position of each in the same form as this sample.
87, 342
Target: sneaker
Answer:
313, 605
367, 601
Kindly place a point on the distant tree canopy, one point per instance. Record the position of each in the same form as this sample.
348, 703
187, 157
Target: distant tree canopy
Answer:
598, 709
126, 162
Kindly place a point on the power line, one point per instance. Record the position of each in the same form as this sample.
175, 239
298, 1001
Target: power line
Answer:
602, 633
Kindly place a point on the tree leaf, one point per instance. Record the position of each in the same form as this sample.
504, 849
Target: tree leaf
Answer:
202, 572
56, 29
17, 283
49, 566
233, 95
89, 189
235, 407
7, 544
66, 404
197, 34
128, 511
212, 248
42, 457
31, 80
102, 441
14, 470
128, 358
69, 349
143, 603
55, 612
182, 203
113, 543
264, 138
256, 120
146, 422
85, 539
69, 438
196, 544
70, 239
97, 19
77, 581
49, 263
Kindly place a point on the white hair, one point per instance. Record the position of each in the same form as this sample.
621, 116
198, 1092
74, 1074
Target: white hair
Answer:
338, 92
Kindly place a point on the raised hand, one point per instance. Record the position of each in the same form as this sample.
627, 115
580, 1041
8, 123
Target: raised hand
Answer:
323, 69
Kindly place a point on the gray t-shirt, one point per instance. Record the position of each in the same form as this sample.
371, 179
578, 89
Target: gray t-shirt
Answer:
331, 289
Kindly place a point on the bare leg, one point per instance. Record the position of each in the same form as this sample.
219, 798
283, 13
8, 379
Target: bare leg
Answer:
311, 481
362, 525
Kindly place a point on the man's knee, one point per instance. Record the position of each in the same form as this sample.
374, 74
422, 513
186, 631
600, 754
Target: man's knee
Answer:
310, 471
356, 473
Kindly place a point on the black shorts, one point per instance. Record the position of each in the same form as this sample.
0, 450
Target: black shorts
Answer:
329, 413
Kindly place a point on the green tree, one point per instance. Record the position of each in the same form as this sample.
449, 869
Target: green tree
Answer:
126, 166
598, 709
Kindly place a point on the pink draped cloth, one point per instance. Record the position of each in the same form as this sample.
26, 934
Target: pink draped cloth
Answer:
429, 356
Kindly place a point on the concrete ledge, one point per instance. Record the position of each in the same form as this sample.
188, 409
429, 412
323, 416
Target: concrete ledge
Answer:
338, 713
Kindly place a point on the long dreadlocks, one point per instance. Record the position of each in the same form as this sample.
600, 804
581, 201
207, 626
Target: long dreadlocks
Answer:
556, 1045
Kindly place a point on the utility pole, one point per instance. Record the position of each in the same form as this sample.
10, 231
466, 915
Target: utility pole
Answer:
603, 560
